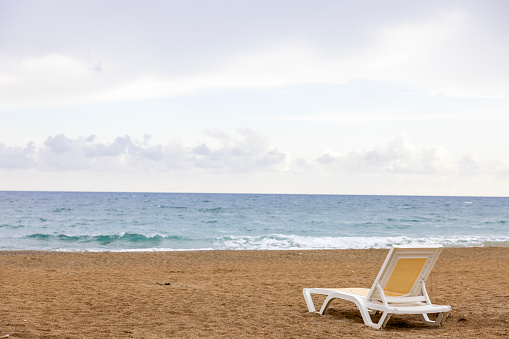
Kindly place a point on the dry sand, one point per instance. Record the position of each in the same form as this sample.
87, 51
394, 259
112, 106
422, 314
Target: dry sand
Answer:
235, 294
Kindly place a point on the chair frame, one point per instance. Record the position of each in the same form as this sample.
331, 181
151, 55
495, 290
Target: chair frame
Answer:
415, 301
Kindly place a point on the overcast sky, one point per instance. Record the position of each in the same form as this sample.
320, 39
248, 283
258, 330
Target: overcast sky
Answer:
255, 96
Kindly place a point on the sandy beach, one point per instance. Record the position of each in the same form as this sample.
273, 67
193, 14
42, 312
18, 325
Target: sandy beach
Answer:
234, 294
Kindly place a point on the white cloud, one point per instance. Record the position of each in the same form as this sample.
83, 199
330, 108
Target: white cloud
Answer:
245, 162
16, 157
248, 152
51, 79
433, 55
501, 168
470, 163
395, 155
440, 55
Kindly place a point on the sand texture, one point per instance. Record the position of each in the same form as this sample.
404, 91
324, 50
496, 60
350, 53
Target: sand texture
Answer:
234, 294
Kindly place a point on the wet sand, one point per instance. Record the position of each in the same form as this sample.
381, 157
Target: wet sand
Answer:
235, 294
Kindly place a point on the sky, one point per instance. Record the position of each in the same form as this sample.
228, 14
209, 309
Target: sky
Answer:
256, 96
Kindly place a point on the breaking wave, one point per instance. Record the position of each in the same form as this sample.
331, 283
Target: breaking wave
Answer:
295, 242
157, 242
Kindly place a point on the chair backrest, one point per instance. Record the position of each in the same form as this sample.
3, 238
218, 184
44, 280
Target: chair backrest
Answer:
403, 271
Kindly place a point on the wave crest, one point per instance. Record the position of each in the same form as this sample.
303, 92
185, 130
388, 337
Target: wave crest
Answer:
106, 239
295, 242
158, 242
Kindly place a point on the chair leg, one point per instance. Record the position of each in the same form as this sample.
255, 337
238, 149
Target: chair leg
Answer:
438, 322
443, 317
309, 300
383, 320
325, 305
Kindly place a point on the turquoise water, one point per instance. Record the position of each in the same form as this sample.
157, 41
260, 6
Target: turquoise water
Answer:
179, 221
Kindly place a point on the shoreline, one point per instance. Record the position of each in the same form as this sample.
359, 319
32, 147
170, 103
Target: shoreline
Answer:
234, 293
491, 244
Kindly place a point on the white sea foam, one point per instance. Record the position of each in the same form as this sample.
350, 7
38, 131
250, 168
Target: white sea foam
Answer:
155, 249
294, 242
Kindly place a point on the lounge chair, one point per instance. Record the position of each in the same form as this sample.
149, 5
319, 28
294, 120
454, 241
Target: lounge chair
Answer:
399, 288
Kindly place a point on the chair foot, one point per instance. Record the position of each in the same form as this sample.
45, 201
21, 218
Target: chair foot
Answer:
439, 320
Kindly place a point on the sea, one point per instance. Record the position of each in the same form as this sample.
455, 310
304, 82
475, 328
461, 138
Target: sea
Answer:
121, 222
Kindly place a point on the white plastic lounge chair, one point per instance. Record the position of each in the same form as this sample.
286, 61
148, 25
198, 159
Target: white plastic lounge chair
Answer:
399, 288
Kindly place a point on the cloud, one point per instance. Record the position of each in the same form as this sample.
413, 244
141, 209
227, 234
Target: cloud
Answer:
58, 144
250, 151
395, 155
51, 79
246, 152
501, 168
434, 55
470, 163
17, 157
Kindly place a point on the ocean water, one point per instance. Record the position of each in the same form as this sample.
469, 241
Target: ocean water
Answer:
68, 221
